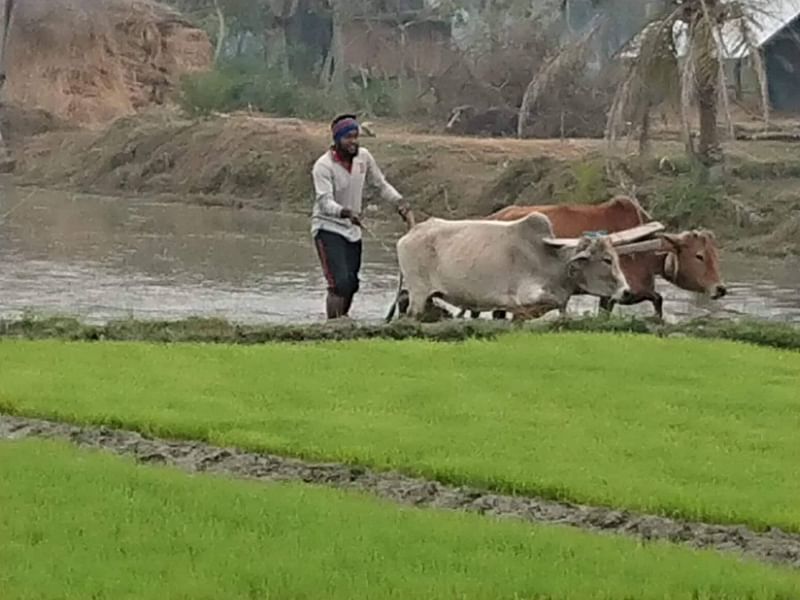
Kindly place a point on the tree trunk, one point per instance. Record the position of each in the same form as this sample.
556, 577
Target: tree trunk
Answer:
709, 147
277, 49
7, 163
644, 130
8, 7
707, 82
220, 31
337, 80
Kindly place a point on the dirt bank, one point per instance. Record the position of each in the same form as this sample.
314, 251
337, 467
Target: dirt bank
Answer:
89, 62
247, 159
772, 546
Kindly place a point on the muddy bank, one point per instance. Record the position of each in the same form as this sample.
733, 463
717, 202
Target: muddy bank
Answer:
773, 546
231, 162
762, 333
249, 160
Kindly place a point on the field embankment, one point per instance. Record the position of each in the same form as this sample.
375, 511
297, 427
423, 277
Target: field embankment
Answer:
774, 546
247, 159
223, 538
758, 332
678, 427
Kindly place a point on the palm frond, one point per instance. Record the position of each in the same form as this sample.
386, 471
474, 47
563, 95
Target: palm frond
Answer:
650, 79
566, 60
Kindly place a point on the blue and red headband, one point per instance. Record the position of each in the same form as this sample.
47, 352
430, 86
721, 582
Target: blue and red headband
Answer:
343, 127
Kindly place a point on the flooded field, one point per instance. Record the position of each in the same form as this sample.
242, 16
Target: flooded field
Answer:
101, 258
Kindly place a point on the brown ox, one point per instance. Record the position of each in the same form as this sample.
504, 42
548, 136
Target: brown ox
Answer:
689, 261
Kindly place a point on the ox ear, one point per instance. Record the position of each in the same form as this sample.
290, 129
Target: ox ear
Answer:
578, 259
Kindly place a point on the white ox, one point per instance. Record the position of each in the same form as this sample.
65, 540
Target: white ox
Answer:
516, 266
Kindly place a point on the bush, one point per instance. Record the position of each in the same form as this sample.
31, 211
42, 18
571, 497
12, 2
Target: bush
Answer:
687, 203
203, 93
249, 83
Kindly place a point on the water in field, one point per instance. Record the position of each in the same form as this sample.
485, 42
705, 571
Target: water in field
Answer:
101, 258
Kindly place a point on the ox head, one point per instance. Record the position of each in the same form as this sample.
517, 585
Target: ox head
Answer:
692, 263
593, 267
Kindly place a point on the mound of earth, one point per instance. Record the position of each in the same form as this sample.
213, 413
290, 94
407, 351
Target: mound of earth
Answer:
88, 62
233, 158
264, 161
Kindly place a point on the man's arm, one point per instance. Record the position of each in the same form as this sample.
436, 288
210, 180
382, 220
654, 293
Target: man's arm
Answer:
388, 192
375, 177
323, 191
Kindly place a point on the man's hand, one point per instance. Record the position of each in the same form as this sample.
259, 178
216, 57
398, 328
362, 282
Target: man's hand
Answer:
407, 214
348, 214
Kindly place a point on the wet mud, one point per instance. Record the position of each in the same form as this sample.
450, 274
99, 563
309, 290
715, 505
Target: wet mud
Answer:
773, 546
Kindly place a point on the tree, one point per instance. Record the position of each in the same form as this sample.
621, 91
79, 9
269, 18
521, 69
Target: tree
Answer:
6, 162
684, 49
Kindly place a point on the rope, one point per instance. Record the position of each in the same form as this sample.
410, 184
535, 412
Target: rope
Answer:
375, 238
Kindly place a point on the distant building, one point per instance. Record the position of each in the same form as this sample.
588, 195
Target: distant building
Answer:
778, 38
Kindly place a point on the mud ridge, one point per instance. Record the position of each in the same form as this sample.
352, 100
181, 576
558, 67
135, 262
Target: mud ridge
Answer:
773, 546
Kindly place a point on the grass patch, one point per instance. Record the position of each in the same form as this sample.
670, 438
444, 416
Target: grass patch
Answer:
688, 428
157, 533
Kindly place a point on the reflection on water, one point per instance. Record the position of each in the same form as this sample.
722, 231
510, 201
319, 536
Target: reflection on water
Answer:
100, 258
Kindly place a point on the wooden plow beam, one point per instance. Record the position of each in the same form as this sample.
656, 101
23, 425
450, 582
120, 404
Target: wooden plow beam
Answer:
627, 241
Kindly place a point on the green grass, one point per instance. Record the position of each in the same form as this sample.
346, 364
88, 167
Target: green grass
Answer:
79, 524
696, 429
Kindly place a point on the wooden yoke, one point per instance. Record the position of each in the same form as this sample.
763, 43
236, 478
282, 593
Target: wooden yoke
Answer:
628, 241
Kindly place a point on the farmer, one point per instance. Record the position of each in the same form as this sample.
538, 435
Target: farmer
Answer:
339, 176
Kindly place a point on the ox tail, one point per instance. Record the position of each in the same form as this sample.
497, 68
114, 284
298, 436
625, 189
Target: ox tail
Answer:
396, 302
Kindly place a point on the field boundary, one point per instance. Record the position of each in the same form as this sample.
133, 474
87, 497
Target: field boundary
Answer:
758, 332
773, 546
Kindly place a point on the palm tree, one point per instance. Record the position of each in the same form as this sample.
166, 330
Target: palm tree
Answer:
679, 56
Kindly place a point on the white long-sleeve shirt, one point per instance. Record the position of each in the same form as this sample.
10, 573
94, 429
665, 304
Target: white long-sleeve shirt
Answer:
335, 188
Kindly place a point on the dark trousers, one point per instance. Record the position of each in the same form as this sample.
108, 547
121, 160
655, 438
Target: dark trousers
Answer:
341, 262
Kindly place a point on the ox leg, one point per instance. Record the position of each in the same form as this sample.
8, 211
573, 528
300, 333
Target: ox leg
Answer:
403, 302
607, 305
475, 314
498, 315
462, 313
658, 305
416, 310
654, 297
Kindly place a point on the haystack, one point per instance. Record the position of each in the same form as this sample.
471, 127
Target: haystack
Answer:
89, 62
